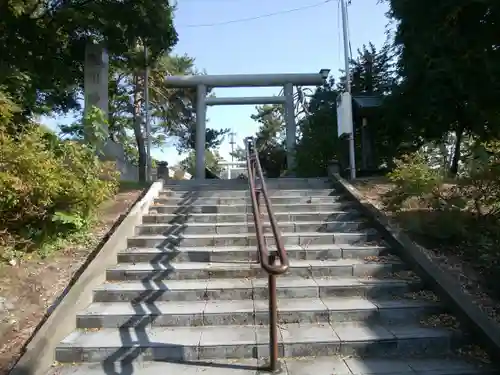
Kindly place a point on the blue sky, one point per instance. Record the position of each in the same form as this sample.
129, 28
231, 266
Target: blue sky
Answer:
302, 41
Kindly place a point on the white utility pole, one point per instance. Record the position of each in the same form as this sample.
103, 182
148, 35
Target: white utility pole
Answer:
232, 143
347, 57
149, 164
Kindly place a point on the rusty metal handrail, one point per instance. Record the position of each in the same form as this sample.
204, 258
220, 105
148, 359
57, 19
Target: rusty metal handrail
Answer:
267, 261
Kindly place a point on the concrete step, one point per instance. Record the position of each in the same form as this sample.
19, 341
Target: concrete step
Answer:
204, 270
241, 289
249, 239
318, 365
247, 208
245, 227
235, 190
207, 184
271, 184
247, 253
256, 312
189, 292
210, 193
244, 217
214, 201
218, 342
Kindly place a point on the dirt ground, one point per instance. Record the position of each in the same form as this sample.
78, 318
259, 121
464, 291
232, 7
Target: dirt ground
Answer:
448, 258
29, 288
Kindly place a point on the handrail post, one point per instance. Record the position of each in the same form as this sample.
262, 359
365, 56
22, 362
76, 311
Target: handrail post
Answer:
267, 261
274, 365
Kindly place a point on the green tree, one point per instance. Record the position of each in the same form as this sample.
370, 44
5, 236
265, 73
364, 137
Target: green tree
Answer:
381, 139
239, 154
269, 139
372, 74
449, 65
168, 106
212, 159
272, 125
176, 107
42, 44
172, 110
187, 137
318, 143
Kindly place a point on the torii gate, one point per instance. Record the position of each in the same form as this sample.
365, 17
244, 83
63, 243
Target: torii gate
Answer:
287, 81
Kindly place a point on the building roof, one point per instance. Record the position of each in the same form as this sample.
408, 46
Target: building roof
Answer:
367, 101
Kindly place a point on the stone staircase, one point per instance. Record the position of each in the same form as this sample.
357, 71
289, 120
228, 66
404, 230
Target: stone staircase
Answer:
188, 295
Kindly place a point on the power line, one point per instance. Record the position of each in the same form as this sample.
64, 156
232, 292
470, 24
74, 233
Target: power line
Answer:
259, 17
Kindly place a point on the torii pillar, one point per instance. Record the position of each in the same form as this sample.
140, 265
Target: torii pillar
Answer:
287, 81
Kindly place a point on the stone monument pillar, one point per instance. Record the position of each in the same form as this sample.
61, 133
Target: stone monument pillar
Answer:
96, 83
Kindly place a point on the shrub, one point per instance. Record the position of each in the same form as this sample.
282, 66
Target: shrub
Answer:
49, 188
7, 109
477, 189
423, 202
414, 178
471, 201
481, 184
